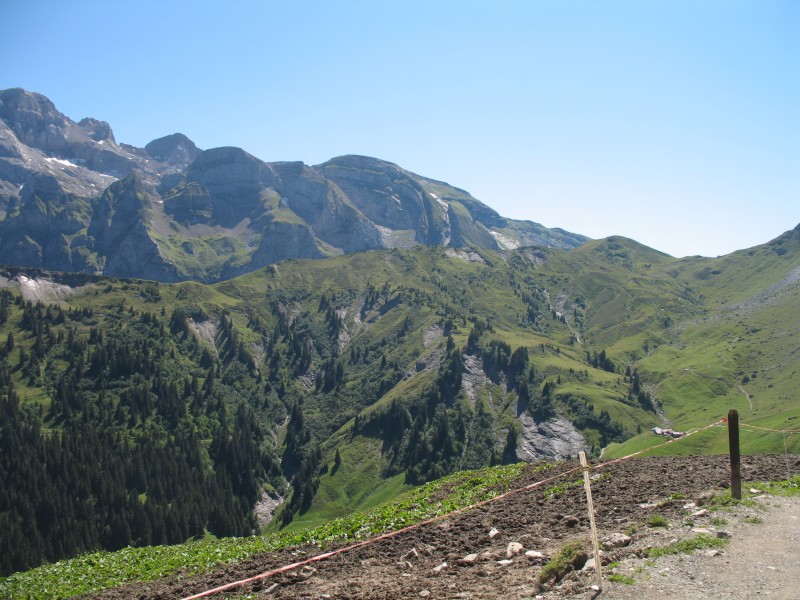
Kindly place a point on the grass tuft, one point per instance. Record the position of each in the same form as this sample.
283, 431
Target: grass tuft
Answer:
687, 546
570, 556
787, 487
657, 521
753, 520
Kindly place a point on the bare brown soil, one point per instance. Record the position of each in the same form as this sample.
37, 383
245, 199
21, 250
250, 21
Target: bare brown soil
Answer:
409, 565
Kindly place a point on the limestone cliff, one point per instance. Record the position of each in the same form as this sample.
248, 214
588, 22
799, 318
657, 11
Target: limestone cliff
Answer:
72, 198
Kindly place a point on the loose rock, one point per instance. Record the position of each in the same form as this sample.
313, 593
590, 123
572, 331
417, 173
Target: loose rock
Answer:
513, 549
505, 562
616, 540
571, 520
535, 555
723, 535
306, 572
427, 549
411, 554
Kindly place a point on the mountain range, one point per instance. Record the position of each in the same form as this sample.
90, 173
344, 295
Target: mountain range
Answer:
148, 396
73, 199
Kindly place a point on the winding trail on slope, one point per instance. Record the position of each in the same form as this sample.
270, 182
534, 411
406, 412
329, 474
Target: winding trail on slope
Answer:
749, 401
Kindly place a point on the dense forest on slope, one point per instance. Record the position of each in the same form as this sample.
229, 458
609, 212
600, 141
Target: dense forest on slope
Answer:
137, 413
126, 446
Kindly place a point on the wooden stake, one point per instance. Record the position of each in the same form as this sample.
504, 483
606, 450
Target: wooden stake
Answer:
595, 541
733, 444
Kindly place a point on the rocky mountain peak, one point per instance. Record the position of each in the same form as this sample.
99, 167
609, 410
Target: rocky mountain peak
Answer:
19, 106
34, 119
359, 161
99, 131
44, 185
175, 149
226, 166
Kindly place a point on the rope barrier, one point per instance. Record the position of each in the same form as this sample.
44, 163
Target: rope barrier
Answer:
390, 534
786, 456
791, 432
784, 431
671, 441
381, 537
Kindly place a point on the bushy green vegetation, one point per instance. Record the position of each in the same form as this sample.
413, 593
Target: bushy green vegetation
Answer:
787, 487
570, 556
657, 521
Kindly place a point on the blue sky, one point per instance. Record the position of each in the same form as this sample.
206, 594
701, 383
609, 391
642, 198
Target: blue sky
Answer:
676, 123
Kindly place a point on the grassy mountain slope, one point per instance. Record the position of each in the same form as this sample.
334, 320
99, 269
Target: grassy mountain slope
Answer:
358, 376
740, 351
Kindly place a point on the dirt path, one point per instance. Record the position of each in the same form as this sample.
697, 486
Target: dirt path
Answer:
749, 400
435, 561
762, 560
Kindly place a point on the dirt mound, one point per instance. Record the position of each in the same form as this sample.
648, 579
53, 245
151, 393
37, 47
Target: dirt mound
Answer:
498, 550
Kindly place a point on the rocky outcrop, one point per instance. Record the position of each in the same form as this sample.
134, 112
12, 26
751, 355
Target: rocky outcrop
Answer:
380, 190
282, 240
323, 205
34, 119
38, 124
556, 439
120, 234
398, 199
233, 180
467, 232
46, 222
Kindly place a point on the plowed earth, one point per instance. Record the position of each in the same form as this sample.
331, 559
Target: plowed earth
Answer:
409, 565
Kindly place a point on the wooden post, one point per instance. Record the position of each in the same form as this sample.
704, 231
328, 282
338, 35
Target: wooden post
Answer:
736, 465
595, 541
